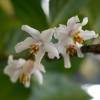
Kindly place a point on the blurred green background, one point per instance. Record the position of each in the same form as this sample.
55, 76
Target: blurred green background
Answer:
59, 83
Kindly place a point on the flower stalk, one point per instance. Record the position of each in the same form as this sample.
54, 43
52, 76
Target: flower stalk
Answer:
94, 48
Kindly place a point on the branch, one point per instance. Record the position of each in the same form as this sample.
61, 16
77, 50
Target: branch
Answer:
91, 49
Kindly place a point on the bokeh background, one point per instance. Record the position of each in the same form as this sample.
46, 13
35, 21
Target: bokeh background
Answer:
59, 83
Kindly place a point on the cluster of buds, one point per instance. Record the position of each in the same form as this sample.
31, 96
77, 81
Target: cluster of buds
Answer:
70, 38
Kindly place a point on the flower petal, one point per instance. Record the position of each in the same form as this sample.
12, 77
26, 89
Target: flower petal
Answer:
47, 34
12, 73
21, 62
73, 20
24, 45
88, 34
33, 32
39, 77
60, 32
38, 66
27, 83
66, 57
15, 76
13, 68
42, 69
10, 59
51, 50
85, 21
79, 53
39, 55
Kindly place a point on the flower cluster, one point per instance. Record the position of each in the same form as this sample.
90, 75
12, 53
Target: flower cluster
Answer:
70, 38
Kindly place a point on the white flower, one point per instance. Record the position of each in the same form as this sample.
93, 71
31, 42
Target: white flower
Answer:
23, 70
71, 38
13, 68
38, 43
68, 47
74, 30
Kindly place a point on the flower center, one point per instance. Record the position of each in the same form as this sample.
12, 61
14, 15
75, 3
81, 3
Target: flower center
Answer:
78, 38
24, 78
71, 50
26, 71
34, 48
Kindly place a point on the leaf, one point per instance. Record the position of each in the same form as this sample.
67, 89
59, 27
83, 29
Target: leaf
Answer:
58, 87
30, 12
65, 10
57, 65
54, 9
6, 22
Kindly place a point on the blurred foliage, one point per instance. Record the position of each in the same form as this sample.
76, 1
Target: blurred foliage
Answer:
30, 12
58, 87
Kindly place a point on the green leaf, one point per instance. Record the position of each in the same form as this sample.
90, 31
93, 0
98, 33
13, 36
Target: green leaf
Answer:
56, 7
58, 87
60, 13
6, 22
30, 12
57, 65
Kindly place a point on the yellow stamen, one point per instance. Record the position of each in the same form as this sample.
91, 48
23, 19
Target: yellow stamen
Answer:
34, 48
71, 50
24, 78
26, 70
78, 38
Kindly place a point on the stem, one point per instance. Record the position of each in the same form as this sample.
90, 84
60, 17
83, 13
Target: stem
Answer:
91, 49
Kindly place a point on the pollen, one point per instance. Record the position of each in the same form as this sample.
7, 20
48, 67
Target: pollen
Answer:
34, 48
24, 78
78, 38
71, 50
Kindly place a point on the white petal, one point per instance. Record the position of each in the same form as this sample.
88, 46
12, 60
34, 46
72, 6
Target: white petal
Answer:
10, 68
61, 29
12, 73
21, 62
79, 53
69, 41
88, 34
27, 84
77, 27
15, 76
51, 56
60, 32
39, 55
85, 21
60, 47
6, 70
51, 50
38, 66
73, 28
73, 20
33, 32
42, 69
38, 75
10, 59
13, 68
66, 57
24, 45
46, 35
